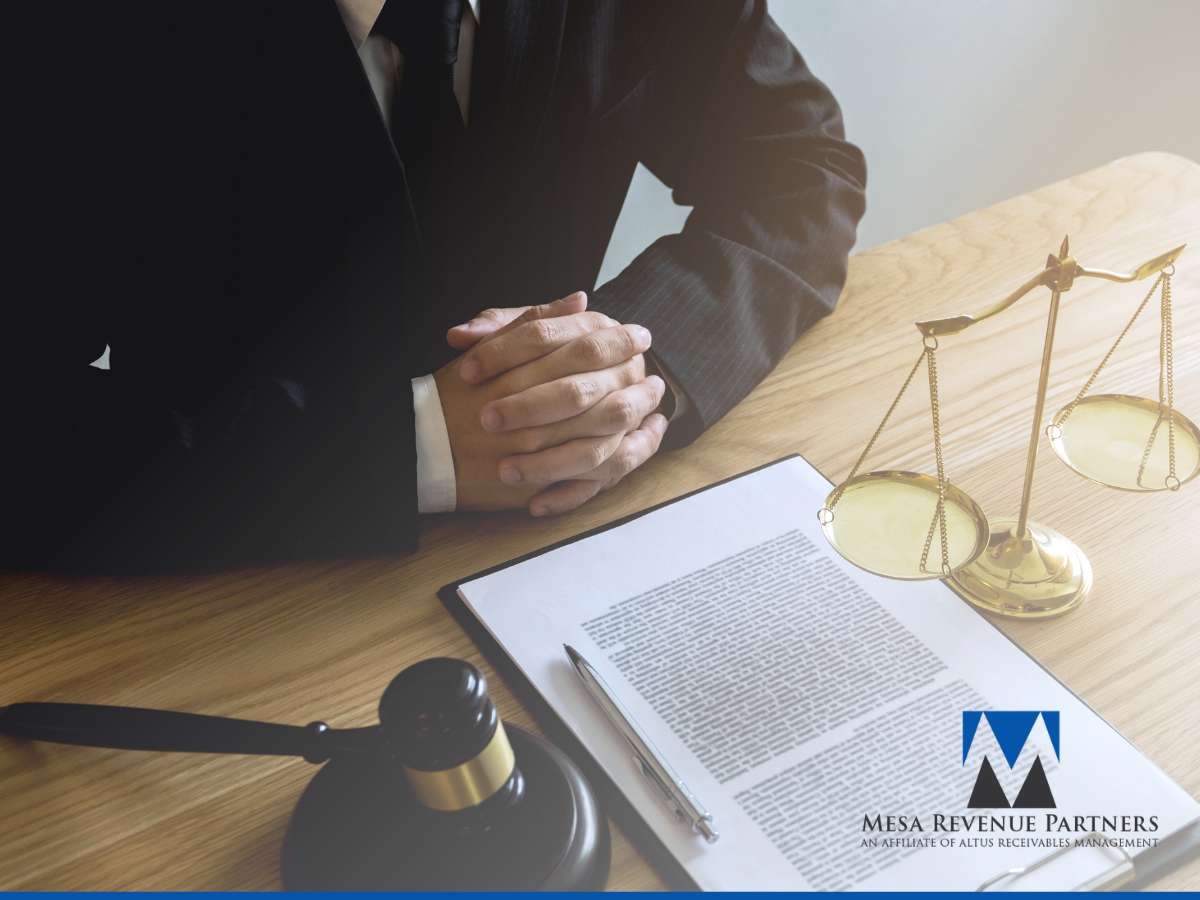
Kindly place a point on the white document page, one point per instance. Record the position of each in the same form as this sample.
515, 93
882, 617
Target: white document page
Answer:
796, 694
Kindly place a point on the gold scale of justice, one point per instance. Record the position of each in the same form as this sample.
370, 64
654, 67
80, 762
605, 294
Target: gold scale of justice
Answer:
911, 526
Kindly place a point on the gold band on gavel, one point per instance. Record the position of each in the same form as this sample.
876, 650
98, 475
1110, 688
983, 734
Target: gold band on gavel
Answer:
469, 783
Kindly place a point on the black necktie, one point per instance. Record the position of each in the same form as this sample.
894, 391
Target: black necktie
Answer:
426, 122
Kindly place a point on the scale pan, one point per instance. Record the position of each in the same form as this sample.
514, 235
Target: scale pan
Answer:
1122, 442
882, 518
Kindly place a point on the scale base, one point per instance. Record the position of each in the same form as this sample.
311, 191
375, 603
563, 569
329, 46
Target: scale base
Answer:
1034, 576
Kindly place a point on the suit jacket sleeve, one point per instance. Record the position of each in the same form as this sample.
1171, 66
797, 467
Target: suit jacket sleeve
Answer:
739, 128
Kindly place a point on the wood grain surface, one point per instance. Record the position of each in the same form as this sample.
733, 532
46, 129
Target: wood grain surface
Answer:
321, 640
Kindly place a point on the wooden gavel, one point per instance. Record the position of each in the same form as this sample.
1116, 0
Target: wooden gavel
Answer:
437, 724
400, 805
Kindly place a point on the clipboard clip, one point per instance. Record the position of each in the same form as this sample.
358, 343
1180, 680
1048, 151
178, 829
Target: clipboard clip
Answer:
1121, 873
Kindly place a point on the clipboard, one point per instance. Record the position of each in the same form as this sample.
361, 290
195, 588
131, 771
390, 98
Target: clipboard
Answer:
1125, 874
1117, 876
1151, 864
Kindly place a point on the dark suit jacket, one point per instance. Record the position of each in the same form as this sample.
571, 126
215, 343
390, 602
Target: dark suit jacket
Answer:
208, 188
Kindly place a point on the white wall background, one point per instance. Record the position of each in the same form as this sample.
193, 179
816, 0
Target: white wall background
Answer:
960, 103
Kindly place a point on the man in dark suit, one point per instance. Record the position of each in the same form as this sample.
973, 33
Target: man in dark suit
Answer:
272, 212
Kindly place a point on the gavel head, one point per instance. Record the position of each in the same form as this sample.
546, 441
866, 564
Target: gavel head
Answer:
442, 804
443, 728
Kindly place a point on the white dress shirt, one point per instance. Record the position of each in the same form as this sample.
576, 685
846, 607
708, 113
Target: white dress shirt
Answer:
384, 66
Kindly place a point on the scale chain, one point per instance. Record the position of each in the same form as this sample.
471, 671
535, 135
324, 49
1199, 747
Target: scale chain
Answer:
1065, 414
825, 514
1166, 389
1166, 370
939, 513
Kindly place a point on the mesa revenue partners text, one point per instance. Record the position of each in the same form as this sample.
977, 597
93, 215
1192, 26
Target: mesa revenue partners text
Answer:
1015, 824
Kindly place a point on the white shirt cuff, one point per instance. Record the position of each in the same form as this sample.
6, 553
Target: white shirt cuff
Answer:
436, 488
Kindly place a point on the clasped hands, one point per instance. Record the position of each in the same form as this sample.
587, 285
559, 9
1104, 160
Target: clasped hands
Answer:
547, 406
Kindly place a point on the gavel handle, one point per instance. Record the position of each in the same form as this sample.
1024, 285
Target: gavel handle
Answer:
130, 728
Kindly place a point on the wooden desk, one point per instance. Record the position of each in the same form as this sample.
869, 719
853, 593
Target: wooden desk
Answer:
304, 642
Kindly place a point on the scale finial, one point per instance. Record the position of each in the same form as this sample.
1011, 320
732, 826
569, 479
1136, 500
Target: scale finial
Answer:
1065, 248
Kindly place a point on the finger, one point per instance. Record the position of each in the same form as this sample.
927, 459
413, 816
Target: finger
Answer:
559, 463
636, 447
563, 306
588, 353
563, 497
524, 341
559, 399
483, 328
621, 411
488, 321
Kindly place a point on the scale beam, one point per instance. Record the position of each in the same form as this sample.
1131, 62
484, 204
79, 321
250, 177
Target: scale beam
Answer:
1145, 270
1059, 274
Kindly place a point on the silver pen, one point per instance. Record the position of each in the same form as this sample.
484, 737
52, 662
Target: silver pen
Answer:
646, 756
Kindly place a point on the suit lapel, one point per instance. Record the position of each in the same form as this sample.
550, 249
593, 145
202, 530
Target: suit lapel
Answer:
384, 278
351, 86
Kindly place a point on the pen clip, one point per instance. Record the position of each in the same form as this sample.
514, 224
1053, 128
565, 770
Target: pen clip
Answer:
702, 825
669, 795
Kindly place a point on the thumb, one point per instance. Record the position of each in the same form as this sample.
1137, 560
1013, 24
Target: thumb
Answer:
492, 322
485, 323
